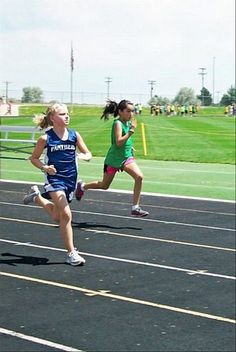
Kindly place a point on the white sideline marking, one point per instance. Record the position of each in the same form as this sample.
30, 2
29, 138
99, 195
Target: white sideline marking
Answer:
130, 192
130, 217
38, 340
106, 294
188, 271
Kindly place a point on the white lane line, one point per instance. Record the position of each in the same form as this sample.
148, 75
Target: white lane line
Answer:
105, 293
157, 221
88, 200
136, 219
188, 271
147, 205
38, 340
159, 240
111, 190
125, 235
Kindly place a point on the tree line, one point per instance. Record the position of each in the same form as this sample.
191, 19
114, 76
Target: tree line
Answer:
183, 97
186, 96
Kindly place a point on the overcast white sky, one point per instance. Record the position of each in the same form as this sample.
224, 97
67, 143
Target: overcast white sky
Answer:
132, 41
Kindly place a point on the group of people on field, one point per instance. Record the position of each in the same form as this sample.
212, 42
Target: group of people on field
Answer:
172, 109
62, 148
230, 110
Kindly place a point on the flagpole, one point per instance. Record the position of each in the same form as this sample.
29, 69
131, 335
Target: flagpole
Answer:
71, 75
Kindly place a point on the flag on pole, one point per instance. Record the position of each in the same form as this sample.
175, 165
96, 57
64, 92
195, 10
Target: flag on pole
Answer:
72, 59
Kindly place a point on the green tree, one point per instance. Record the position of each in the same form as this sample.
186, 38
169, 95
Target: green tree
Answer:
205, 97
32, 95
157, 100
185, 96
230, 97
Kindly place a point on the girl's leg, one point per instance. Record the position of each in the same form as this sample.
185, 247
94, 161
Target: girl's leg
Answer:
49, 207
65, 217
133, 170
104, 184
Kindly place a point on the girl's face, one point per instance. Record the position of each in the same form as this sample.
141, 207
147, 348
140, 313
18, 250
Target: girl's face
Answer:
60, 117
127, 113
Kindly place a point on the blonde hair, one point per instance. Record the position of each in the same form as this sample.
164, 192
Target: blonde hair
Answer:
43, 120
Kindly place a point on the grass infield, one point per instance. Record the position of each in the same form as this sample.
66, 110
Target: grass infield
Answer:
189, 156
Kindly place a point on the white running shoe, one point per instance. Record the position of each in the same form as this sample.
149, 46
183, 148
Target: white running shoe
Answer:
139, 213
73, 258
29, 198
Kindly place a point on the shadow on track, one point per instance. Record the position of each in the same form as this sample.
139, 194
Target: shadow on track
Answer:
23, 259
87, 225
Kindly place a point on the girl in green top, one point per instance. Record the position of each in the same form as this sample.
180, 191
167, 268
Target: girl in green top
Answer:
120, 154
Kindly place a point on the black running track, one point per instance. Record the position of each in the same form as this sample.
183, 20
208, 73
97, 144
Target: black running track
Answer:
162, 283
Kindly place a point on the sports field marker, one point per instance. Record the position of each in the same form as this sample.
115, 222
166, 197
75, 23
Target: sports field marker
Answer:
143, 139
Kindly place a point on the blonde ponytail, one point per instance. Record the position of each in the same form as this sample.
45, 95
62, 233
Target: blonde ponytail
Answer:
43, 120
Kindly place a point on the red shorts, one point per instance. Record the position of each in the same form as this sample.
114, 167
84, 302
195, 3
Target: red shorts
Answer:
112, 170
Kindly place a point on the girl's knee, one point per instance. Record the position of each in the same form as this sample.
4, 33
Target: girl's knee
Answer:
56, 218
139, 177
65, 215
105, 187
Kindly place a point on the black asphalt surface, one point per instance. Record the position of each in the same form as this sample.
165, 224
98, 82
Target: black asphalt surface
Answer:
161, 283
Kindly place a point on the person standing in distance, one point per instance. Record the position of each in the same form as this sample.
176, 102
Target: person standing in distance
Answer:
120, 154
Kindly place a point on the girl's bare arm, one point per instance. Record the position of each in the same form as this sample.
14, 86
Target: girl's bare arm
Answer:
36, 154
85, 153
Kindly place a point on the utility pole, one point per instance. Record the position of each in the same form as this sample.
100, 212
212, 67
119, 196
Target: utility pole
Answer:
6, 94
151, 82
202, 73
108, 81
71, 75
213, 80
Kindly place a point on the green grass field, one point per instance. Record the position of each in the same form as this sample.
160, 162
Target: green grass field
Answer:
188, 156
206, 138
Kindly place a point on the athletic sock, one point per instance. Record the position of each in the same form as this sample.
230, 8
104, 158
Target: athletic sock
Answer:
136, 206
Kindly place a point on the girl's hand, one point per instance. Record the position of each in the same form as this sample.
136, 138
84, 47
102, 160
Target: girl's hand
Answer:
84, 156
133, 124
50, 169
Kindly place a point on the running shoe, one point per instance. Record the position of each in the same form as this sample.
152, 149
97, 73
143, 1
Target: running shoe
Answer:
73, 258
139, 213
79, 193
33, 192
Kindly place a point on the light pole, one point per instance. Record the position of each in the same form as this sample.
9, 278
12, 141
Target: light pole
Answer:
7, 83
151, 82
108, 80
202, 73
213, 80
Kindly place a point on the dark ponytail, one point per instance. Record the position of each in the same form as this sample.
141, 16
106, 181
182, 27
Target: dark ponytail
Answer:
112, 108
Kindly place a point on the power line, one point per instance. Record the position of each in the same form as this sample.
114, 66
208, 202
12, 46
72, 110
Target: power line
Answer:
7, 83
202, 73
151, 82
108, 80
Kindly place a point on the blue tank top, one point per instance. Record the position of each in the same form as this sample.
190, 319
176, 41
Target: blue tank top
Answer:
62, 154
